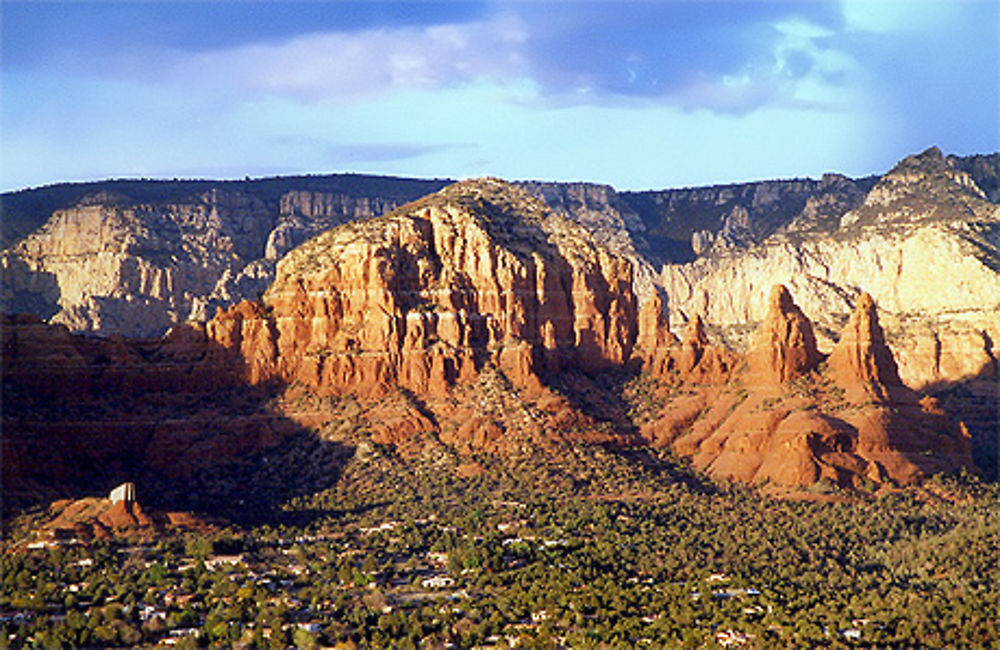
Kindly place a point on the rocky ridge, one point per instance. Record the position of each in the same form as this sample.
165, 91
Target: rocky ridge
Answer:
924, 243
479, 273
474, 320
446, 327
137, 258
787, 416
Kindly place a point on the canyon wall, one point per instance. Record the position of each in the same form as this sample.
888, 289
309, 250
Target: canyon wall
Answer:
497, 287
481, 272
140, 262
138, 257
925, 243
479, 319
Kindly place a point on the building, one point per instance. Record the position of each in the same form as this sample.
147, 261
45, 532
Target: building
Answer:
124, 492
438, 582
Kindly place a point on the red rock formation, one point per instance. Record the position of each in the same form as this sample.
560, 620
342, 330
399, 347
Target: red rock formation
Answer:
422, 298
457, 312
861, 358
93, 518
124, 514
654, 329
778, 421
694, 344
97, 410
479, 277
784, 347
694, 360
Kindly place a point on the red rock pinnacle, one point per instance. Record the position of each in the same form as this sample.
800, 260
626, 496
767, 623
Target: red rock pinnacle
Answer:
654, 329
861, 355
784, 346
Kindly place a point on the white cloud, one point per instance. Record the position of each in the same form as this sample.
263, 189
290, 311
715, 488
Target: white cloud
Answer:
344, 66
885, 16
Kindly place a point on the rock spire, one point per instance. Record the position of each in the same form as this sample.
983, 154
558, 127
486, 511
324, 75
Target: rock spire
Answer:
784, 346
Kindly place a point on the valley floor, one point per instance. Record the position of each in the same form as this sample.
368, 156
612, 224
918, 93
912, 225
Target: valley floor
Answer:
599, 549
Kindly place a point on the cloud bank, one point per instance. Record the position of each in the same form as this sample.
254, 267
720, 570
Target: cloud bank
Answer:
632, 93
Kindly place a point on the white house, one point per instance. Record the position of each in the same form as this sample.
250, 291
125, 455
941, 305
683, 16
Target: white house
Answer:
124, 492
438, 582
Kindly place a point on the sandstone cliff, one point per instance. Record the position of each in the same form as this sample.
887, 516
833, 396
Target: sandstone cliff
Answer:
448, 311
472, 320
461, 313
479, 273
136, 258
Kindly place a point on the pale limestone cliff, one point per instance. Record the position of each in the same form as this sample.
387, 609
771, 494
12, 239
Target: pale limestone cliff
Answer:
108, 263
133, 268
925, 245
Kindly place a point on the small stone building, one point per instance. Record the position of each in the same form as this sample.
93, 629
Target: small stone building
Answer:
124, 492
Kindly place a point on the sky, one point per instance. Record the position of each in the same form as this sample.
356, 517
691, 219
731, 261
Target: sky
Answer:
639, 95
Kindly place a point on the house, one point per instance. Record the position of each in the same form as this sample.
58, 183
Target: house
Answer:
728, 638
437, 582
17, 618
217, 561
313, 627
148, 612
124, 492
437, 557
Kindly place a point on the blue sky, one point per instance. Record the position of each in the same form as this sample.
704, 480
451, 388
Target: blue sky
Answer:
640, 95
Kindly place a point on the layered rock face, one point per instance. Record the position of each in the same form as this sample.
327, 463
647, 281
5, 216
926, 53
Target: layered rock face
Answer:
610, 219
788, 418
451, 312
113, 266
137, 257
480, 273
483, 289
682, 225
925, 243
106, 262
474, 318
